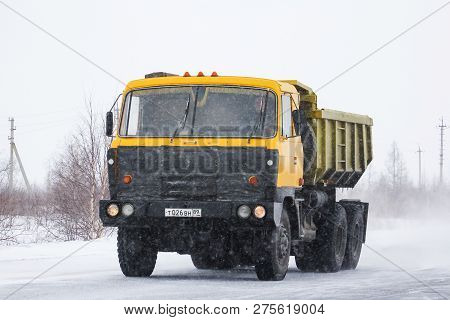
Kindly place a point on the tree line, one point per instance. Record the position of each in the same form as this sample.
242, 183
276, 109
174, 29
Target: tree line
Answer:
392, 193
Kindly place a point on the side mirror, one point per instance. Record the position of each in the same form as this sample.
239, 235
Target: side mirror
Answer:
109, 123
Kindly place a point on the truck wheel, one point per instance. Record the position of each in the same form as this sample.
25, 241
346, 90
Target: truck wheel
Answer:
355, 235
274, 260
137, 251
326, 253
332, 241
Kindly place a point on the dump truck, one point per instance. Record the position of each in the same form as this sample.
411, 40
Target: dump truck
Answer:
234, 171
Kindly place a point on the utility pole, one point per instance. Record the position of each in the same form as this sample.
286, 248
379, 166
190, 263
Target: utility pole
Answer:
420, 166
11, 155
13, 151
442, 127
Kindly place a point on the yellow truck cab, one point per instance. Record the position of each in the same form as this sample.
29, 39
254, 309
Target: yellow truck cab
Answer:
234, 171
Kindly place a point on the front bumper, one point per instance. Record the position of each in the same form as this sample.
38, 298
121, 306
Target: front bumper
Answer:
148, 213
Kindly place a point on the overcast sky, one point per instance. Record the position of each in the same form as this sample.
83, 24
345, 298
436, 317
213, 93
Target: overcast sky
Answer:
404, 86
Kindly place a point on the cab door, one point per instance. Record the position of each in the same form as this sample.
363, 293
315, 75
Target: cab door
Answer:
291, 149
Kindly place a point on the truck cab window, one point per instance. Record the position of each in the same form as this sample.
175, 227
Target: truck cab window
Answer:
200, 111
132, 127
286, 116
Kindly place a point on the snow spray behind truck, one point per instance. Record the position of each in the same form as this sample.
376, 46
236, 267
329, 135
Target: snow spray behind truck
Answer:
234, 171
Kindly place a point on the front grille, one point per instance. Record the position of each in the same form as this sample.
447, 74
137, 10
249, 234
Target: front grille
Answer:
209, 173
188, 187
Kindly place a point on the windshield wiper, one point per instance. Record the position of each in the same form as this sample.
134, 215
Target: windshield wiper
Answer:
194, 111
182, 123
262, 116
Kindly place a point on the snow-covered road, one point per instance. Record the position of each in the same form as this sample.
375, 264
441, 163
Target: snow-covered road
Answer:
93, 272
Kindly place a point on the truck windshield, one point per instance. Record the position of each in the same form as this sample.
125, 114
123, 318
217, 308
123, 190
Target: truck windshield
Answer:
199, 111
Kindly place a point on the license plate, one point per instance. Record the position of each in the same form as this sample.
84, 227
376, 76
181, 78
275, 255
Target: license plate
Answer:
183, 213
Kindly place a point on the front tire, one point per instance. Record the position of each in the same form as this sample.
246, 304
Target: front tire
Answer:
274, 260
137, 251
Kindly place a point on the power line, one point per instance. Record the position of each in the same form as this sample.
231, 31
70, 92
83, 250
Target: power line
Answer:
382, 46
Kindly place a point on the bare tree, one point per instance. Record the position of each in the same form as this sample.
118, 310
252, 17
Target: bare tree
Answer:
389, 192
77, 181
396, 169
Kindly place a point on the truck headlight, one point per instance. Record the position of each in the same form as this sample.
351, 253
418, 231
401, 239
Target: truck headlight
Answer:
259, 212
244, 211
112, 210
127, 209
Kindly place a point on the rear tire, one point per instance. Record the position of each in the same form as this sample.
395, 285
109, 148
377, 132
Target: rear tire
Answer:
274, 260
326, 253
137, 251
355, 236
332, 241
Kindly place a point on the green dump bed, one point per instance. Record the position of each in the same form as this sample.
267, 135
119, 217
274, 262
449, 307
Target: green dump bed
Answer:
343, 142
344, 148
